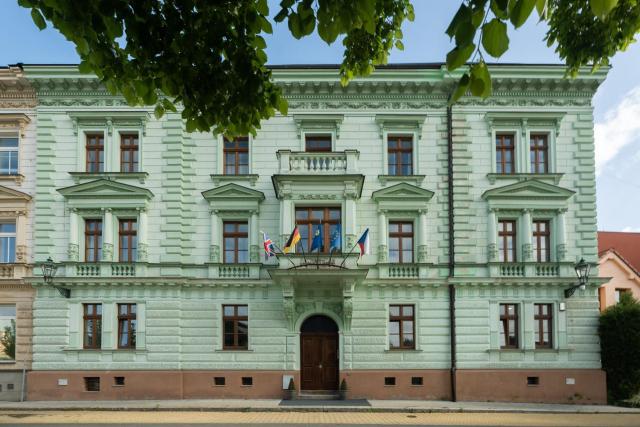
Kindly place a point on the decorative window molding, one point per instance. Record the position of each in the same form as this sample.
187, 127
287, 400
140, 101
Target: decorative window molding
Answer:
318, 123
111, 124
14, 207
396, 124
108, 200
523, 124
402, 201
233, 202
14, 123
220, 175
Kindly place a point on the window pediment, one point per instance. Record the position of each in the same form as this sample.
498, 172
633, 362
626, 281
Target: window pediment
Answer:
233, 197
402, 196
17, 122
532, 194
400, 122
524, 120
103, 193
318, 122
10, 195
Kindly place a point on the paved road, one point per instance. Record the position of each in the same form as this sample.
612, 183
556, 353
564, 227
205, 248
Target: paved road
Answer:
321, 419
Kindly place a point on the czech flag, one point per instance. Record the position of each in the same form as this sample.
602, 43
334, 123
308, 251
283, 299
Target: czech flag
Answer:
292, 241
269, 249
363, 242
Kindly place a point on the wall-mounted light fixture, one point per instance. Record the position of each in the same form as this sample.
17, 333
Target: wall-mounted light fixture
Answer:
49, 269
582, 271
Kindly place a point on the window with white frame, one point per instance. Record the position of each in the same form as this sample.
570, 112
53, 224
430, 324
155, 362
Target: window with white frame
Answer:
7, 332
9, 155
7, 242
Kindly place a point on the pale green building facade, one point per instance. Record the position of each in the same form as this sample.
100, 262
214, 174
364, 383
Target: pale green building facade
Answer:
167, 235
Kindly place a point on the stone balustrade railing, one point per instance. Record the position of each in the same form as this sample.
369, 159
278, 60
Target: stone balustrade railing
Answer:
318, 163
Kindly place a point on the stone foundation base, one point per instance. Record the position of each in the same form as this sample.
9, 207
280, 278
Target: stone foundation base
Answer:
583, 386
580, 386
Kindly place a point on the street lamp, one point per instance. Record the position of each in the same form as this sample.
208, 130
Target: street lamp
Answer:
49, 269
582, 271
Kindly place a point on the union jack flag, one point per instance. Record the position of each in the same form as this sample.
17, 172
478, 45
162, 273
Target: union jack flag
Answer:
269, 249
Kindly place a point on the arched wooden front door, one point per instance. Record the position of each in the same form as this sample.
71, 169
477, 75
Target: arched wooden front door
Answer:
319, 367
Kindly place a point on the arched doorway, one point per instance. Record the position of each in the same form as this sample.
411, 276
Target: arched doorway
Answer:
319, 363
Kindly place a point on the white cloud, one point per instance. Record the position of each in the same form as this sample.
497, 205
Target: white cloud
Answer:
621, 126
631, 229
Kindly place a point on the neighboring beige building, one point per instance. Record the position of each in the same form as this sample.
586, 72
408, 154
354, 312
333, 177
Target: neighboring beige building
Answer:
17, 185
619, 253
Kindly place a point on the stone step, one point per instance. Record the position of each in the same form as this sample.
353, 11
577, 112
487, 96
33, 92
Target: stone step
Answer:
318, 395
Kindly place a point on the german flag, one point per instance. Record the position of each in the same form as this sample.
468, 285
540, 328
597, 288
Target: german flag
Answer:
293, 240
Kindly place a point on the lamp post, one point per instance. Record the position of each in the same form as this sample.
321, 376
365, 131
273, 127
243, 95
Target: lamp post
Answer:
582, 271
49, 269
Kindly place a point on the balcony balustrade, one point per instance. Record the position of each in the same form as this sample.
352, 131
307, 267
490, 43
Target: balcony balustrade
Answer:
314, 163
530, 269
102, 269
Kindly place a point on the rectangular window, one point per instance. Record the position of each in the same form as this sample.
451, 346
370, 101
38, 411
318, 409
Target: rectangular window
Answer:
401, 242
129, 148
400, 155
505, 149
7, 242
539, 153
92, 321
8, 155
507, 241
509, 326
619, 292
541, 241
321, 224
401, 327
317, 143
7, 332
92, 240
236, 242
235, 320
95, 152
91, 383
236, 156
127, 325
128, 240
543, 325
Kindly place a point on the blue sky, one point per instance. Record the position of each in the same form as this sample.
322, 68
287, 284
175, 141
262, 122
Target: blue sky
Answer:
617, 103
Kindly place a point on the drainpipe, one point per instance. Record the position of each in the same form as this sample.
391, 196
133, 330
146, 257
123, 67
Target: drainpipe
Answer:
452, 258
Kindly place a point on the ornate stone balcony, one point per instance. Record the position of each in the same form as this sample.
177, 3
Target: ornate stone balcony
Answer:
103, 269
405, 271
312, 163
14, 271
530, 269
234, 271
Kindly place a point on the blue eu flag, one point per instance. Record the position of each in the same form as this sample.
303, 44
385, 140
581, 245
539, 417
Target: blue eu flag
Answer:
336, 240
318, 240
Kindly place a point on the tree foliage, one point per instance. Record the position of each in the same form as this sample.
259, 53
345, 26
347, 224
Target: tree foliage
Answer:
209, 56
620, 340
8, 340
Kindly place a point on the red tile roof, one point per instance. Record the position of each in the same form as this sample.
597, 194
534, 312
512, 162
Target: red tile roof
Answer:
627, 245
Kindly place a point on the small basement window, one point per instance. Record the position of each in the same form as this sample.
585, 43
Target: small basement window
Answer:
389, 380
118, 381
416, 381
247, 381
219, 381
533, 380
9, 387
91, 383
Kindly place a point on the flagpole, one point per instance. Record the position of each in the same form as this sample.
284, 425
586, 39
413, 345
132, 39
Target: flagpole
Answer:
350, 252
321, 246
283, 254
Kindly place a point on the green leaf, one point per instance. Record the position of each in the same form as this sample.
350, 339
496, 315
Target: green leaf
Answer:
295, 26
38, 19
283, 106
461, 88
462, 15
84, 67
158, 111
494, 37
500, 8
399, 45
521, 11
262, 7
480, 80
281, 15
477, 17
601, 8
459, 55
540, 7
465, 33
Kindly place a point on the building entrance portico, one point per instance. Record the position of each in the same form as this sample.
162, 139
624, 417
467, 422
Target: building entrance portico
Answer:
319, 355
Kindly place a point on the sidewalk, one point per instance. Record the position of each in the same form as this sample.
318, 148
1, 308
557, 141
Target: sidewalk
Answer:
273, 405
